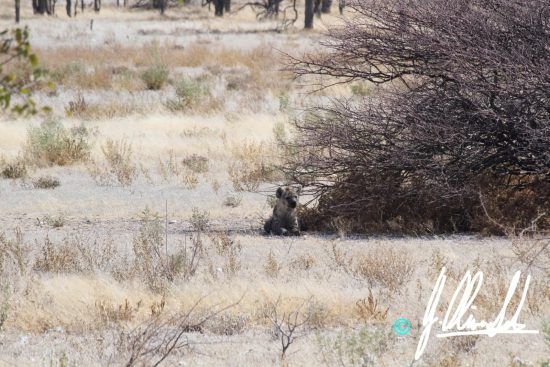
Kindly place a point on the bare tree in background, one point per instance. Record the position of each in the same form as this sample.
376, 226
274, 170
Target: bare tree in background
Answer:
461, 108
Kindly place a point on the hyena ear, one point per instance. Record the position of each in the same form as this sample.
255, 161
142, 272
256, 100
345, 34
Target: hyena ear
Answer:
279, 192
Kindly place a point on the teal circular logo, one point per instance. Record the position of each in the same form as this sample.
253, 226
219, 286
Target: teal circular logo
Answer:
402, 326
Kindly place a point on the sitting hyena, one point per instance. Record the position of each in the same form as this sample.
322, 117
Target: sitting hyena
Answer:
284, 220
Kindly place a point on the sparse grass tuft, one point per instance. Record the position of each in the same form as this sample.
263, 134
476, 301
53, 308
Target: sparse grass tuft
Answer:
388, 268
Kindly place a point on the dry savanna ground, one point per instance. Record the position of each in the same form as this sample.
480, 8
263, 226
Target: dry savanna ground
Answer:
130, 218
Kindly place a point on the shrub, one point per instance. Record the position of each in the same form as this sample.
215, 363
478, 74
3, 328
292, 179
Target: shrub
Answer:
46, 182
119, 168
450, 126
196, 163
155, 76
189, 93
52, 144
15, 169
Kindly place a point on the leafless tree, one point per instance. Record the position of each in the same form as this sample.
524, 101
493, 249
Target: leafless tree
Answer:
288, 326
462, 94
153, 342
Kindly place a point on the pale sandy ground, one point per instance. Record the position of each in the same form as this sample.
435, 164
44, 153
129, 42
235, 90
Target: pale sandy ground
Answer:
56, 322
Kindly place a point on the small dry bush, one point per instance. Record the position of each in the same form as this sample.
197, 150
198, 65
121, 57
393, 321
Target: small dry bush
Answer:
63, 258
14, 170
53, 221
303, 262
200, 220
111, 313
227, 324
119, 167
272, 266
154, 263
196, 163
51, 143
16, 262
385, 267
77, 107
252, 164
155, 76
233, 201
230, 252
368, 309
46, 182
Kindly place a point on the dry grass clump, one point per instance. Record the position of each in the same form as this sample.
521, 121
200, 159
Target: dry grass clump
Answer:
76, 74
51, 143
272, 266
196, 163
63, 258
253, 164
152, 260
233, 201
385, 267
111, 313
230, 252
15, 269
368, 309
119, 167
303, 262
46, 182
14, 170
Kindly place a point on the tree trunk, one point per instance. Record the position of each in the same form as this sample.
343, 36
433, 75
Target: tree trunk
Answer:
308, 23
17, 10
117, 3
97, 5
273, 8
82, 6
317, 8
325, 6
218, 8
227, 6
125, 3
68, 8
341, 6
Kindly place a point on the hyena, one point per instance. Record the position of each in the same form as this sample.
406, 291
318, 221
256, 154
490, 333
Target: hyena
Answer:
284, 220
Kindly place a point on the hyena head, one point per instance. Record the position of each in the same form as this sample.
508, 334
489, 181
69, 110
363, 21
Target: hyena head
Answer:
287, 198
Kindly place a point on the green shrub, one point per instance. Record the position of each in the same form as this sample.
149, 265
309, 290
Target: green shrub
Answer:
189, 93
155, 76
52, 144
